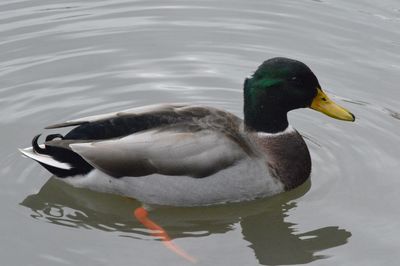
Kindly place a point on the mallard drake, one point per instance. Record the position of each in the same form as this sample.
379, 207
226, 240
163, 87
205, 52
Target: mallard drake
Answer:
186, 155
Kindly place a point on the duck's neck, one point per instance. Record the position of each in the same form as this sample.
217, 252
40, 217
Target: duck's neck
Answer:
264, 120
264, 117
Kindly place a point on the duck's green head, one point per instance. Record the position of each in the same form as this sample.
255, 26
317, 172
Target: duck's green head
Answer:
280, 85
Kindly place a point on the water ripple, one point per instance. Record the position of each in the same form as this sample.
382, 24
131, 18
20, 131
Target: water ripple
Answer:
66, 59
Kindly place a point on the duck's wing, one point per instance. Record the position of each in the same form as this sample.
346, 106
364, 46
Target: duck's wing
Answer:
168, 152
167, 139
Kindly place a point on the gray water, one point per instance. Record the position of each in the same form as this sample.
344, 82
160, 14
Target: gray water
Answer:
66, 59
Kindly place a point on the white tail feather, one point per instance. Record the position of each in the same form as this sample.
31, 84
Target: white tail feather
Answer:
30, 153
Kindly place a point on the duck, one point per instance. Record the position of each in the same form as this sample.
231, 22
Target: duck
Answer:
190, 154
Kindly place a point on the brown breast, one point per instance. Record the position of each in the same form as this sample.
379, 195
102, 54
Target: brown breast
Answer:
287, 157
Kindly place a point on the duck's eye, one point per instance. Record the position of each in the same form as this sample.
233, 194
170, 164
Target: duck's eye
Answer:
324, 99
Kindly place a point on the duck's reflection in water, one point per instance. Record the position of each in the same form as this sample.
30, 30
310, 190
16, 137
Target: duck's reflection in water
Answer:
273, 240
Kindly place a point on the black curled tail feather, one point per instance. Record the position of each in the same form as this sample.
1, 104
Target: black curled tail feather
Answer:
78, 165
40, 150
36, 146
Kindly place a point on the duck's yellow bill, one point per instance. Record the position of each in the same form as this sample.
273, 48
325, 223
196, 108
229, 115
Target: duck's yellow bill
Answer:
323, 104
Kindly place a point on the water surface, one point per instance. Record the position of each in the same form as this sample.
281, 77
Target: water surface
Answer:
65, 59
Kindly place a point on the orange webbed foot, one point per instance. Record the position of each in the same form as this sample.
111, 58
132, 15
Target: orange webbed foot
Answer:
142, 215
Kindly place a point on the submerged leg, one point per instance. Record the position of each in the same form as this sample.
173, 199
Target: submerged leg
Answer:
141, 215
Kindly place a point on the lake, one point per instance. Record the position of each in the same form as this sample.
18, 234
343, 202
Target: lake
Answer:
61, 60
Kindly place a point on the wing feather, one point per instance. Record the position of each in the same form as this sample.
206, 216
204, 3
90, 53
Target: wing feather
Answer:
195, 154
169, 139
